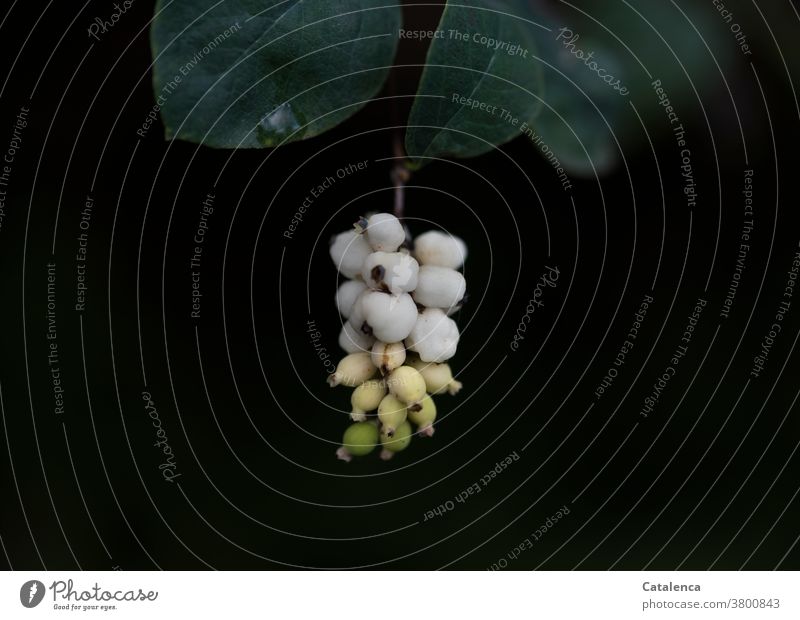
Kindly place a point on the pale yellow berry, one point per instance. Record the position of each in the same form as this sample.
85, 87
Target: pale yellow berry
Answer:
392, 413
366, 397
387, 357
438, 377
406, 384
423, 414
398, 443
353, 370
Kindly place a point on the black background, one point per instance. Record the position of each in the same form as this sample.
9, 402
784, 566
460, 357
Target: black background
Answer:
709, 479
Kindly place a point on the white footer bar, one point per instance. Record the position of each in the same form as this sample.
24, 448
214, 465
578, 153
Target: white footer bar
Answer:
400, 595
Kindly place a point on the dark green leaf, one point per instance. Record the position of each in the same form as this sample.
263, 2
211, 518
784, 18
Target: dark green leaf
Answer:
587, 115
584, 111
581, 110
253, 73
461, 64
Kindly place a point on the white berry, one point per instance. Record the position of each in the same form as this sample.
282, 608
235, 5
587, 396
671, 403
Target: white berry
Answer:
347, 294
349, 250
439, 287
385, 232
441, 249
353, 340
358, 318
390, 317
434, 336
395, 306
390, 272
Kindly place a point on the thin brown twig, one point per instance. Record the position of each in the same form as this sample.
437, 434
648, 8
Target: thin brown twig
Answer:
400, 175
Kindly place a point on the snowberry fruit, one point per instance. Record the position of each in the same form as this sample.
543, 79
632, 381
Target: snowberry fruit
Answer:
353, 340
423, 414
349, 250
359, 440
406, 384
366, 397
385, 232
347, 294
390, 272
387, 357
357, 318
353, 370
434, 336
390, 318
453, 309
438, 248
396, 307
399, 442
392, 413
439, 287
438, 377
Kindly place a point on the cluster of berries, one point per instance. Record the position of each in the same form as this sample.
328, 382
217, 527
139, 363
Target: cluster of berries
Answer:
396, 305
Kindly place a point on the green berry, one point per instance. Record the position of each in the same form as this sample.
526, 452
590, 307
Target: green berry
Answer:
399, 442
359, 440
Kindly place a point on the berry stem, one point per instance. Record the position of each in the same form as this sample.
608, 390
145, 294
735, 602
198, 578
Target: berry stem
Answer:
400, 172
